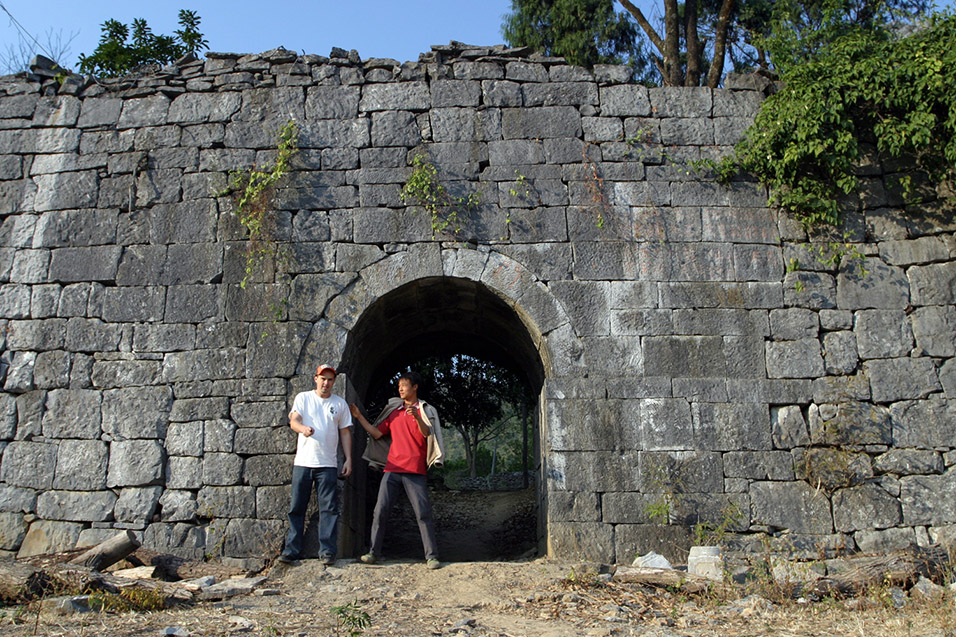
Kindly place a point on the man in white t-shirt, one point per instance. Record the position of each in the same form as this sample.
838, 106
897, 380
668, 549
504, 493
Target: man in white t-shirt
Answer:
321, 421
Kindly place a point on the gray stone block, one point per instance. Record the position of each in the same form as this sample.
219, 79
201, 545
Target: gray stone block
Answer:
622, 507
17, 500
883, 287
840, 354
594, 540
137, 504
13, 528
97, 263
135, 463
906, 462
560, 94
272, 503
163, 338
52, 370
192, 303
28, 464
113, 374
253, 538
729, 426
794, 359
76, 506
864, 508
137, 412
838, 389
184, 540
883, 334
762, 465
177, 506
79, 465
48, 536
591, 425
209, 364
788, 427
923, 424
185, 439
72, 414
629, 100
219, 435
686, 262
221, 469
935, 330
676, 102
91, 335
666, 424
794, 324
264, 440
928, 499
540, 123
901, 378
184, 473
146, 111
267, 470
413, 96
445, 93
226, 502
793, 506
681, 472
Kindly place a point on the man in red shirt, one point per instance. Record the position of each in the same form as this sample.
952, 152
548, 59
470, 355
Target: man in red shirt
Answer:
410, 423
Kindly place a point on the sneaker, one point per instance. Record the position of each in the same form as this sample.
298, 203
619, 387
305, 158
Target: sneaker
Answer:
432, 563
369, 558
286, 559
328, 560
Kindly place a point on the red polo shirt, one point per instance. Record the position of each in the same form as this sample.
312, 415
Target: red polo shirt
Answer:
409, 447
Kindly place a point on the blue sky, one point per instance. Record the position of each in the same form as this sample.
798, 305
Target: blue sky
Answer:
399, 29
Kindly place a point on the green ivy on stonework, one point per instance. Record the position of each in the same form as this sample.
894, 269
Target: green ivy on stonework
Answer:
254, 194
863, 92
423, 188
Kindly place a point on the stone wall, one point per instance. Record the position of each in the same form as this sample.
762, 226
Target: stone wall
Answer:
680, 360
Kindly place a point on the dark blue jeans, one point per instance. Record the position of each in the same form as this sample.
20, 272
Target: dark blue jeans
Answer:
326, 484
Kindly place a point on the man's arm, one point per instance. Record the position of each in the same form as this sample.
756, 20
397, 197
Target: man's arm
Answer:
345, 437
414, 411
366, 425
296, 424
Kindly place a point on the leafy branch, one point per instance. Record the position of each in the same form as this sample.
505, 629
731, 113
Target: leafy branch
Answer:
866, 90
423, 188
254, 194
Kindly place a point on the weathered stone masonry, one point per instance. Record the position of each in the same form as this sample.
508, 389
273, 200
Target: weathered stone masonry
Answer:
674, 351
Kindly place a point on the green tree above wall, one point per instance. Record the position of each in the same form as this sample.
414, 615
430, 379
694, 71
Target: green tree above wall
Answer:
867, 93
120, 52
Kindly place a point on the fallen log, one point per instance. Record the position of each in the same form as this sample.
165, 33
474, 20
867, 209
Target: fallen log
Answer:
899, 568
109, 552
19, 582
173, 568
664, 578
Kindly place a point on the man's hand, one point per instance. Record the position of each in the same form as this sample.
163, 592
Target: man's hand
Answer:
346, 468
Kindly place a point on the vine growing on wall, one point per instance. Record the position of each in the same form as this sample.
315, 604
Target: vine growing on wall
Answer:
423, 188
253, 191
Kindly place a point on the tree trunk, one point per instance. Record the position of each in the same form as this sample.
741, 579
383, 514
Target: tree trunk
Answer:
652, 35
720, 44
672, 67
20, 582
109, 552
894, 569
692, 77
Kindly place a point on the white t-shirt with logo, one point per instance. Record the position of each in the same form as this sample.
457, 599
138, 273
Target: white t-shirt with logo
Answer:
326, 416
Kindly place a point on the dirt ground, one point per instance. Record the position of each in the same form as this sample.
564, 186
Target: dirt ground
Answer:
490, 598
479, 592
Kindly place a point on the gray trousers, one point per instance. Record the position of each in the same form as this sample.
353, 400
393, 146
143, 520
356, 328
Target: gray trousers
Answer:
416, 488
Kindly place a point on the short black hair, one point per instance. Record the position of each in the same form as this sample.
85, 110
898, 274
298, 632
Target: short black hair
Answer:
414, 378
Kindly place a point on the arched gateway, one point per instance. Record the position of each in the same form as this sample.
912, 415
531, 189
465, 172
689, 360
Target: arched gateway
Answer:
427, 301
